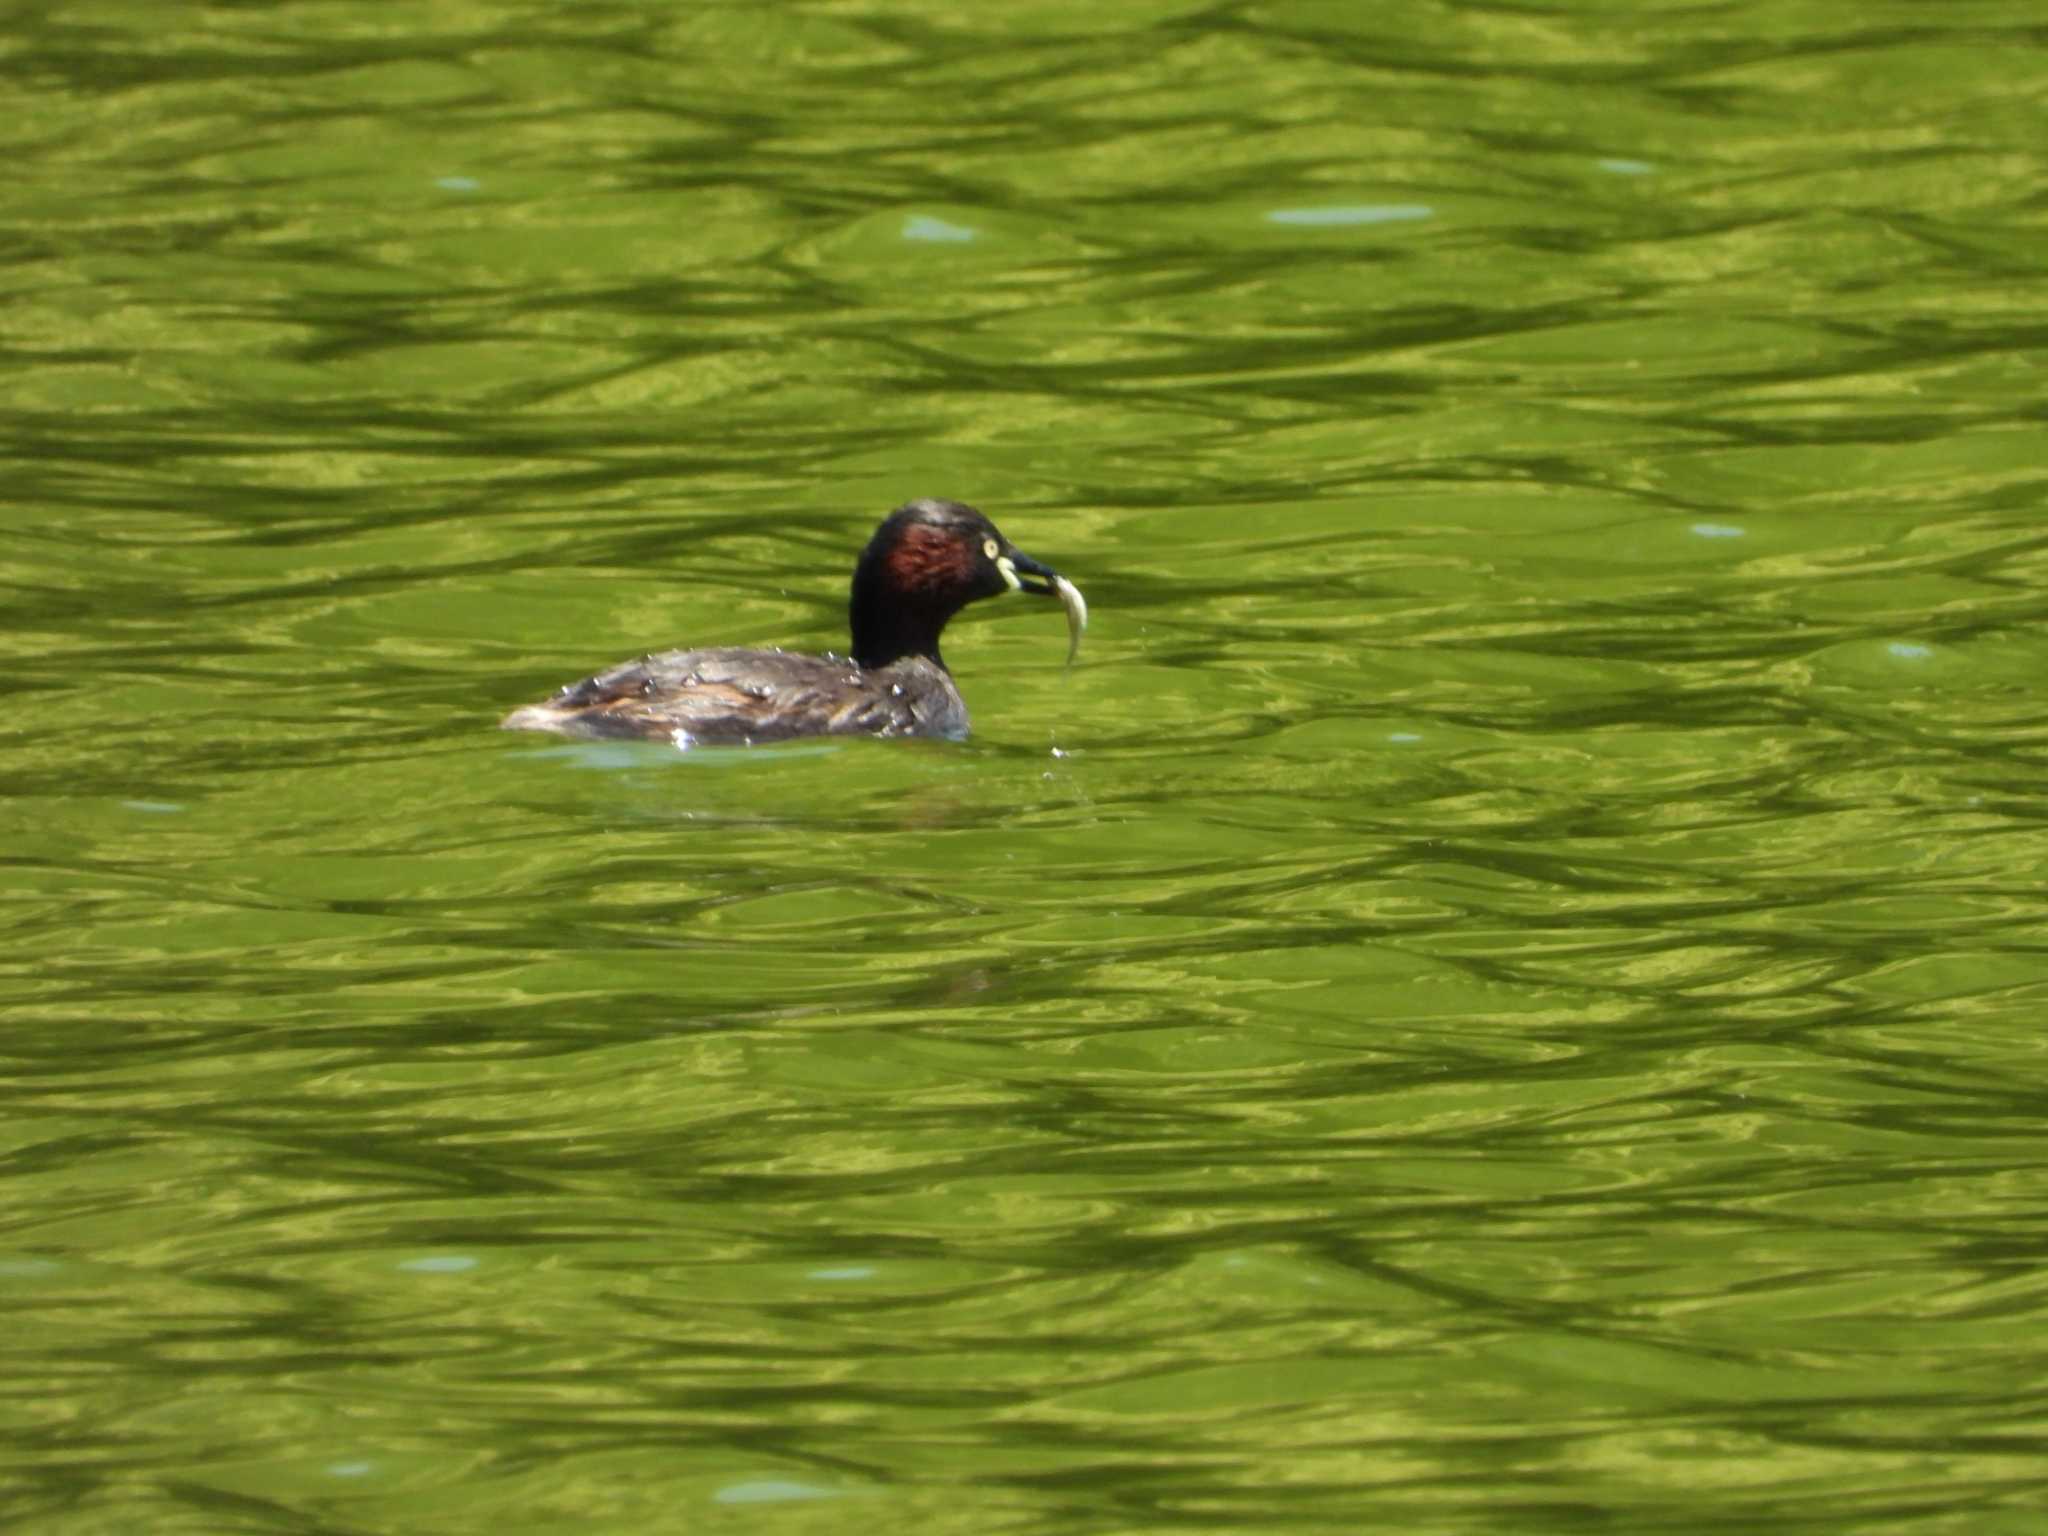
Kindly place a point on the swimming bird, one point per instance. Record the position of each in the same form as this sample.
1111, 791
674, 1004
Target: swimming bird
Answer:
928, 560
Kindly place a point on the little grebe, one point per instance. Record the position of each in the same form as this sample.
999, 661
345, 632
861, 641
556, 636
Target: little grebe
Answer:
927, 561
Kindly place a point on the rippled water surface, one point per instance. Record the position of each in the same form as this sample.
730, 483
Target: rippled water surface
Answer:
1506, 992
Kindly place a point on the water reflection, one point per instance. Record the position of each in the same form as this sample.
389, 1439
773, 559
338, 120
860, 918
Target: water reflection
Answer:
1355, 213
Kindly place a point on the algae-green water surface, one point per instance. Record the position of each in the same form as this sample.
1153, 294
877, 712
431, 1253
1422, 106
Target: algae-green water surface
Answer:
1507, 992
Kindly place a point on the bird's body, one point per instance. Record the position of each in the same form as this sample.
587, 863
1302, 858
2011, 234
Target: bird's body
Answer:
743, 697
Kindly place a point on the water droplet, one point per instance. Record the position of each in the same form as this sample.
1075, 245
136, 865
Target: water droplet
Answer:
1717, 531
1910, 650
1621, 167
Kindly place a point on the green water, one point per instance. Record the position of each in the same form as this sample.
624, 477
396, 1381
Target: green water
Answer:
1508, 992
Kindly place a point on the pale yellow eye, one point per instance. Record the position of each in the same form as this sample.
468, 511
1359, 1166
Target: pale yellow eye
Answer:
989, 547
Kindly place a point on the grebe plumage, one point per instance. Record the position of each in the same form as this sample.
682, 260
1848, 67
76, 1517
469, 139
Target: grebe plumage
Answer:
927, 561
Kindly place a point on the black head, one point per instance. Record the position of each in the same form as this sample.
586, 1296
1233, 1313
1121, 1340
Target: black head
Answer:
927, 561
